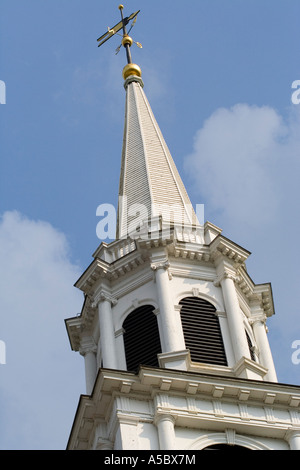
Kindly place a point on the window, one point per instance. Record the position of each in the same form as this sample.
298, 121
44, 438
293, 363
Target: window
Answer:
141, 338
202, 333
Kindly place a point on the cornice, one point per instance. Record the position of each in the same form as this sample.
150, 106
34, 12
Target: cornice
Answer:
114, 260
222, 246
260, 294
100, 269
164, 387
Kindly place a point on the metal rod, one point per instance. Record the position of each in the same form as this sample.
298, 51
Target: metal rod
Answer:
127, 46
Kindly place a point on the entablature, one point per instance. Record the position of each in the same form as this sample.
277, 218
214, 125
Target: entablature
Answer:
193, 399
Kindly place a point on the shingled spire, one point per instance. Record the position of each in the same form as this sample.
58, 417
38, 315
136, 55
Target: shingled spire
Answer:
150, 185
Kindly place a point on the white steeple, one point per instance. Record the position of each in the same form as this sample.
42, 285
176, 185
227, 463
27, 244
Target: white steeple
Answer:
149, 180
173, 328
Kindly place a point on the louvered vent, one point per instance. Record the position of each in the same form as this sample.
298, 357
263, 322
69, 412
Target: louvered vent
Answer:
202, 331
250, 345
141, 338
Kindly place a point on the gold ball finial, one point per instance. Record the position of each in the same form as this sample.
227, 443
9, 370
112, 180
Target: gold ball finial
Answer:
131, 69
127, 40
121, 7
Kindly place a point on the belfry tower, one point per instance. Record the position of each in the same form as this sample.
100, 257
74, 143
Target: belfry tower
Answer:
173, 328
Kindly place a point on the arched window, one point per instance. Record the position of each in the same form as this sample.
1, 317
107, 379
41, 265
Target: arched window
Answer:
202, 333
141, 338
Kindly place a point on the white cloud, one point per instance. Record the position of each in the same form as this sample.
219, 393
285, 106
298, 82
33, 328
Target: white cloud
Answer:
245, 166
243, 162
39, 385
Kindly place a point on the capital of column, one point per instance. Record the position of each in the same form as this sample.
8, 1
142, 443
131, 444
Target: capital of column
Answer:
226, 274
104, 444
87, 345
103, 296
164, 417
160, 265
293, 438
261, 318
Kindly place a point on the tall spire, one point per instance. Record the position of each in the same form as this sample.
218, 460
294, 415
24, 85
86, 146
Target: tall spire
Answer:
150, 185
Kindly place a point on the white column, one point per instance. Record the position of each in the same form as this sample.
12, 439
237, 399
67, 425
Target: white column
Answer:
88, 350
166, 432
107, 331
234, 316
265, 355
173, 337
293, 438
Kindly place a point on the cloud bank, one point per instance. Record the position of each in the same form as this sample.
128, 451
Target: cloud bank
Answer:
245, 167
39, 386
245, 162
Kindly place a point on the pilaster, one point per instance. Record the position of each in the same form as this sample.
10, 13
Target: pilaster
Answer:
293, 438
173, 339
88, 349
104, 301
258, 322
166, 432
226, 278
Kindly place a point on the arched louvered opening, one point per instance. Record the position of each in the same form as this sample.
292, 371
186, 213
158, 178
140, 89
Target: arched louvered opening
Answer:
250, 345
202, 333
141, 338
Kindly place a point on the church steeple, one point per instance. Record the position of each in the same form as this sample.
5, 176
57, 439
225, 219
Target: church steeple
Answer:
149, 180
173, 329
150, 185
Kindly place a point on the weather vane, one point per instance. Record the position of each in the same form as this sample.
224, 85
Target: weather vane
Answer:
127, 40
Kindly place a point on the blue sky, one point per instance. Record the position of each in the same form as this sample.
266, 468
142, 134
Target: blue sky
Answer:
218, 75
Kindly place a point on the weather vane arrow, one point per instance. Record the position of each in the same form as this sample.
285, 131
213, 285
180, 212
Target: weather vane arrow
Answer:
127, 40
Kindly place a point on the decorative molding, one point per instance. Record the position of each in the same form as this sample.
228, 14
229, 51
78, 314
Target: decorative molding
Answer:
226, 274
225, 248
104, 444
165, 385
127, 419
232, 404
217, 405
244, 395
103, 296
164, 417
191, 405
160, 265
195, 291
295, 417
269, 398
294, 401
162, 401
244, 411
230, 436
269, 412
192, 388
126, 387
218, 392
260, 318
247, 366
87, 345
136, 281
